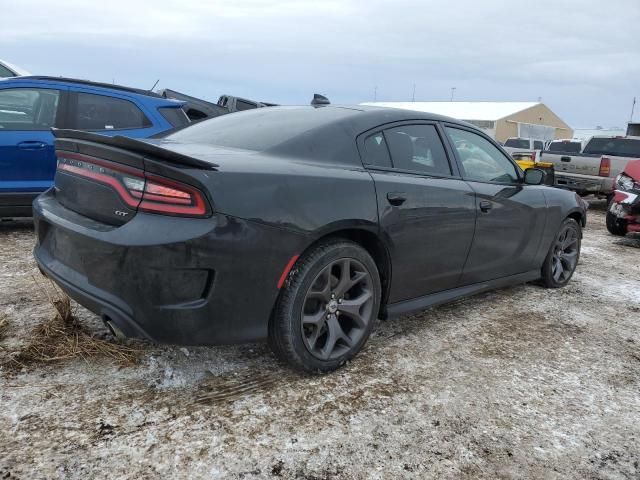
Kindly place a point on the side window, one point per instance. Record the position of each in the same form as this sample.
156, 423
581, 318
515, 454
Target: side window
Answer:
175, 116
242, 105
417, 148
5, 72
538, 145
481, 160
375, 151
28, 108
99, 112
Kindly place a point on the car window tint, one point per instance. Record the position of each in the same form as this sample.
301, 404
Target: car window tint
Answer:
260, 128
620, 147
517, 143
242, 105
99, 112
5, 72
375, 151
417, 148
28, 108
566, 147
176, 116
481, 160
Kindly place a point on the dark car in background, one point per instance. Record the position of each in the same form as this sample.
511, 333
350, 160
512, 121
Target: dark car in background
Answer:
198, 109
300, 224
30, 106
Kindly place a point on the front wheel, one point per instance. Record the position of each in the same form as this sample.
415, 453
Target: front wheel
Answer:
563, 255
615, 225
327, 308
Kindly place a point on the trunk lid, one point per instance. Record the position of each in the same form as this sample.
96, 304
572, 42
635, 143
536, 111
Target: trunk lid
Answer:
109, 179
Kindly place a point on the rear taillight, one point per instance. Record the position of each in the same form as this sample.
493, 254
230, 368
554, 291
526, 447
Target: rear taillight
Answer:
166, 196
605, 167
138, 189
533, 157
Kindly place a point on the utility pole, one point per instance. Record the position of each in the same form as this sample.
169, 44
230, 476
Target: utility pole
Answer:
633, 107
453, 91
413, 96
375, 93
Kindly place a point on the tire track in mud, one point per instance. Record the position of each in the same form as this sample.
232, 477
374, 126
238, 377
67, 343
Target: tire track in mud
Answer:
221, 389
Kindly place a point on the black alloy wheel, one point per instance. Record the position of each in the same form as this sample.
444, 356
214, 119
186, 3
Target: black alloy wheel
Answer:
563, 256
337, 309
327, 307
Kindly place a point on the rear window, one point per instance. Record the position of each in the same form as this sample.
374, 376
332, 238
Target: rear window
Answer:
260, 128
565, 147
619, 147
175, 116
242, 105
517, 143
100, 112
538, 145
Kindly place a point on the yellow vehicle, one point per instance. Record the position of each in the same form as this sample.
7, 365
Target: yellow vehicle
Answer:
528, 160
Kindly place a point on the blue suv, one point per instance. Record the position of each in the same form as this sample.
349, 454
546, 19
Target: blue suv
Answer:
30, 106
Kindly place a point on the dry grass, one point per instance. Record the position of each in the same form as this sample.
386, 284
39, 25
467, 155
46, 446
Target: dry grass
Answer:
4, 325
62, 337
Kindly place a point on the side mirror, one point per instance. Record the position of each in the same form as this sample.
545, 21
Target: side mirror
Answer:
534, 176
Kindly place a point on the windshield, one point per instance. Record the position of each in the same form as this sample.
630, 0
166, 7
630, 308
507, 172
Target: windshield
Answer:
261, 128
618, 147
565, 147
517, 143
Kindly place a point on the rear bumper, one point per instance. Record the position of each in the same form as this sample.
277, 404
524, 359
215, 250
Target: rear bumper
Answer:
585, 183
167, 279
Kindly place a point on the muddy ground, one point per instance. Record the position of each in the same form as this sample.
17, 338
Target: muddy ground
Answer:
519, 383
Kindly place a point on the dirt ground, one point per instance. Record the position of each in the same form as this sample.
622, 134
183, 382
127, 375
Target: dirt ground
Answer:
519, 383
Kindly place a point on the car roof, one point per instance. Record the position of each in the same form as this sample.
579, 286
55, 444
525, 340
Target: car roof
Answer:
374, 115
29, 78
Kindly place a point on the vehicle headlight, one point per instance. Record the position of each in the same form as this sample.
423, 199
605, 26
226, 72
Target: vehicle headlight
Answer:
625, 182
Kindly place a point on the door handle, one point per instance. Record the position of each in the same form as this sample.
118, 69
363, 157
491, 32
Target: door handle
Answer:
396, 198
485, 206
565, 159
31, 145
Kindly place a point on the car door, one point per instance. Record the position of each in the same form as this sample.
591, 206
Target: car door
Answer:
27, 157
108, 114
511, 216
426, 212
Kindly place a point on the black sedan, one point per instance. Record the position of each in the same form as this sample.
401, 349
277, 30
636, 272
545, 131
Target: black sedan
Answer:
299, 224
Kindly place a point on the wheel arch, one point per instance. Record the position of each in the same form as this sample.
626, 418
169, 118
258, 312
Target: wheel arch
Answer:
578, 216
367, 236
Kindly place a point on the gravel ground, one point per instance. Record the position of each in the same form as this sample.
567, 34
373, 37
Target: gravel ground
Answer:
519, 383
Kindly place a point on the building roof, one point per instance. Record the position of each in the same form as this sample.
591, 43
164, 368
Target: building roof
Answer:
462, 110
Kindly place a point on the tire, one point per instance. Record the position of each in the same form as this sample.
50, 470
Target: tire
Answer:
563, 256
615, 225
327, 307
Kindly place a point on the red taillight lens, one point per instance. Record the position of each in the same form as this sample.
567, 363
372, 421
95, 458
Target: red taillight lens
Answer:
162, 195
533, 157
605, 167
138, 189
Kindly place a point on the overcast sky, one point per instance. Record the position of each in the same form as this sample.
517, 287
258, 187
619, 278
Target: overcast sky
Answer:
581, 57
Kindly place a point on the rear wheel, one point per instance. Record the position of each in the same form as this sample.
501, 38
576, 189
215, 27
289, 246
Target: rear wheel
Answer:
327, 308
563, 255
615, 225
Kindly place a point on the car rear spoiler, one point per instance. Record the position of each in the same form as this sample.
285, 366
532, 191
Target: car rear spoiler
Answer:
133, 145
